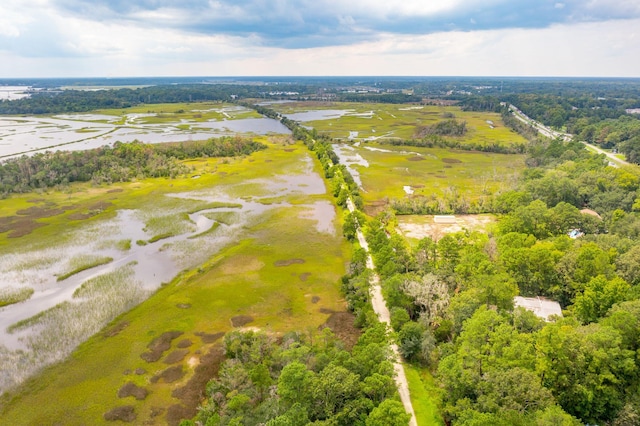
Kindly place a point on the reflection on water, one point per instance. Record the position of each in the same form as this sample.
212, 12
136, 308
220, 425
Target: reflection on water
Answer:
12, 93
320, 114
86, 131
324, 213
350, 157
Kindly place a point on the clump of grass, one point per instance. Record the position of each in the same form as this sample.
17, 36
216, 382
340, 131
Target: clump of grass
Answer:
83, 262
103, 283
141, 243
122, 245
215, 226
215, 205
174, 224
11, 295
31, 321
225, 218
160, 237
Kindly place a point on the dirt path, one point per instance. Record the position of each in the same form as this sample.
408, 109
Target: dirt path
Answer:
380, 308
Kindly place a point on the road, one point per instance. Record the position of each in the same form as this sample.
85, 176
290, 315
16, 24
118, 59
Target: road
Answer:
380, 308
550, 133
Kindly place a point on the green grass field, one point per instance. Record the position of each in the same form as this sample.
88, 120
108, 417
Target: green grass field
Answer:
190, 112
435, 171
403, 121
279, 274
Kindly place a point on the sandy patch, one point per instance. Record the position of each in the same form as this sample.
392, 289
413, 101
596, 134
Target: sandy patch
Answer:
419, 227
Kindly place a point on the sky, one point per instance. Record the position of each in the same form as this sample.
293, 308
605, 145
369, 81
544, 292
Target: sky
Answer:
128, 38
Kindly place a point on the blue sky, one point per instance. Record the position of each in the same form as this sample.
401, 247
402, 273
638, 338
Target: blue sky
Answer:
110, 38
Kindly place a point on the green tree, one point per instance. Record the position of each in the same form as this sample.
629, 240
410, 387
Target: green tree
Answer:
599, 295
389, 413
294, 384
332, 388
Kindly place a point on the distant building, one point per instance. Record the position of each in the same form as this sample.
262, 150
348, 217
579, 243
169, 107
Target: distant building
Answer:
575, 233
590, 213
543, 308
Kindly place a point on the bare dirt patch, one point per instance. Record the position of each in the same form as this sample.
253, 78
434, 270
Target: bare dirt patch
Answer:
176, 356
209, 337
37, 212
177, 412
170, 375
100, 205
115, 190
375, 207
159, 345
423, 226
80, 216
183, 305
185, 343
23, 227
305, 276
140, 371
192, 393
241, 320
131, 389
288, 262
416, 158
342, 325
124, 413
315, 299
116, 329
451, 160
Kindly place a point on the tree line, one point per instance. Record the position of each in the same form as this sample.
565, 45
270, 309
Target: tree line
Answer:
120, 163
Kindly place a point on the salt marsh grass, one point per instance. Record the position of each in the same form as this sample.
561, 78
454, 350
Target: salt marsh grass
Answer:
81, 263
11, 295
59, 330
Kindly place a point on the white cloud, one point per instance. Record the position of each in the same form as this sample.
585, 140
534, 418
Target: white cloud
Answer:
44, 42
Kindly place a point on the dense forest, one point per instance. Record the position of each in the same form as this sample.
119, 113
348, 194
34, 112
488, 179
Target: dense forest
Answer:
452, 308
120, 163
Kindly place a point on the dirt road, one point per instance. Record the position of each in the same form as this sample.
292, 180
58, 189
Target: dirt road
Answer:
380, 308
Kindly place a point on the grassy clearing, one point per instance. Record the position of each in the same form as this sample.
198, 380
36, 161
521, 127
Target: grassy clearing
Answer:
12, 295
435, 171
172, 113
416, 227
83, 262
403, 121
243, 279
425, 396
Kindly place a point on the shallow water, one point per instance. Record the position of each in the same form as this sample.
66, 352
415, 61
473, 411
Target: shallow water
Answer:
320, 114
324, 214
28, 135
350, 157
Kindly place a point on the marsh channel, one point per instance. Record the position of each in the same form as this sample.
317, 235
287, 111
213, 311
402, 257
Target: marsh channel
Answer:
144, 262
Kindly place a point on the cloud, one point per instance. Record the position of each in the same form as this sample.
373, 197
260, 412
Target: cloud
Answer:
314, 37
312, 23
